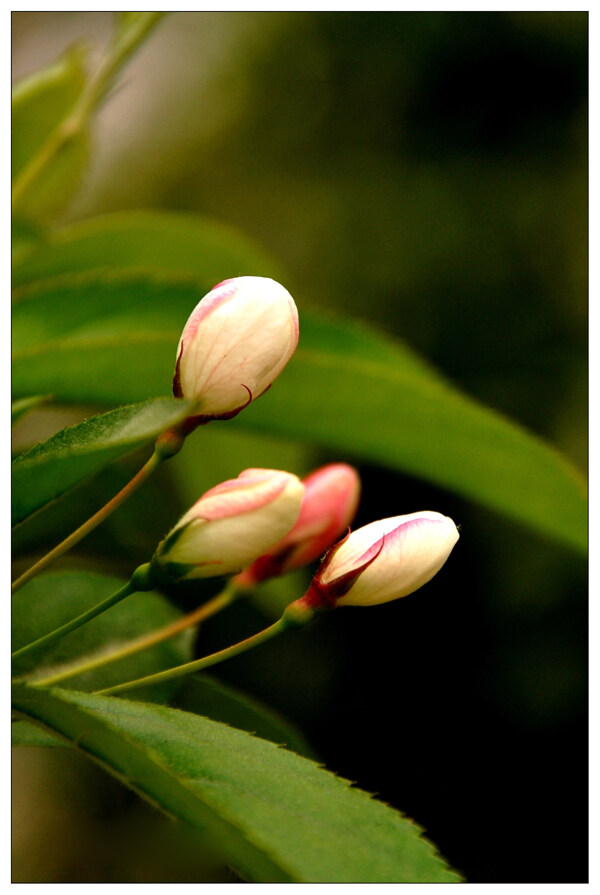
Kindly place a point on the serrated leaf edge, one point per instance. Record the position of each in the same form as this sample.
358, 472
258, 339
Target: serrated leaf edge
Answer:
151, 754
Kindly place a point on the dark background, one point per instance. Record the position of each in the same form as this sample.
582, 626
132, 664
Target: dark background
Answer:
428, 172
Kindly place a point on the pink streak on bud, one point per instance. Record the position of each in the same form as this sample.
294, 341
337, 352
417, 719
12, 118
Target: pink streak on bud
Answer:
252, 489
217, 296
232, 524
330, 502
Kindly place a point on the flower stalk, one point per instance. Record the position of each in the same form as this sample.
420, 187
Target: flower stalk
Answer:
147, 641
167, 445
295, 616
140, 580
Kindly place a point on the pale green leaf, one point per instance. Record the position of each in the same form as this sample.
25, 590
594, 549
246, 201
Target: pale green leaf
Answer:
54, 466
277, 816
39, 104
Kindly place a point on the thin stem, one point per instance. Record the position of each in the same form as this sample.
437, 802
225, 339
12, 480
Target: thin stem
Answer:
144, 473
55, 635
200, 664
220, 601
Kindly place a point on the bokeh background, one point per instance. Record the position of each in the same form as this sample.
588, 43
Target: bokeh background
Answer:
426, 172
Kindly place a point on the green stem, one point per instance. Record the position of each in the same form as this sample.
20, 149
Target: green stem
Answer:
283, 624
227, 596
144, 473
134, 584
95, 88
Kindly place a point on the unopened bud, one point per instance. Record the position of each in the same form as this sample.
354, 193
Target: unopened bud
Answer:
330, 500
230, 525
236, 341
382, 561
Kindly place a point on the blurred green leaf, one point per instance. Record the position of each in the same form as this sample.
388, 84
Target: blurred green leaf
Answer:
103, 369
77, 452
278, 817
39, 104
183, 245
218, 453
49, 601
20, 408
347, 388
24, 236
24, 733
205, 695
101, 304
420, 424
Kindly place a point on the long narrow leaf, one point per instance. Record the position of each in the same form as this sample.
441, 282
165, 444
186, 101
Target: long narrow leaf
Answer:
184, 245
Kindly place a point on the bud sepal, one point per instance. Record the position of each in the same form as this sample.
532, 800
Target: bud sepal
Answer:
298, 614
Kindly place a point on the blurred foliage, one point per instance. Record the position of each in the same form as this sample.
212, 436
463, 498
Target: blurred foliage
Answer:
427, 172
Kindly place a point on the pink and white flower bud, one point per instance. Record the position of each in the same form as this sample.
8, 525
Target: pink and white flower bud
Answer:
382, 561
236, 341
330, 501
232, 524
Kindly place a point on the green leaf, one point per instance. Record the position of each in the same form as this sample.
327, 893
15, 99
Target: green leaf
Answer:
39, 104
20, 408
24, 236
205, 695
54, 466
101, 304
348, 388
24, 733
91, 370
183, 245
387, 411
278, 817
199, 694
48, 601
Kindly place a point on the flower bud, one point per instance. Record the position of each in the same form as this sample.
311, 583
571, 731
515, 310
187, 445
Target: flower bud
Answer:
232, 524
236, 341
382, 561
330, 500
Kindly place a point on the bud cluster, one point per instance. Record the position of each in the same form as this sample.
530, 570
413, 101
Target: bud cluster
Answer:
267, 522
